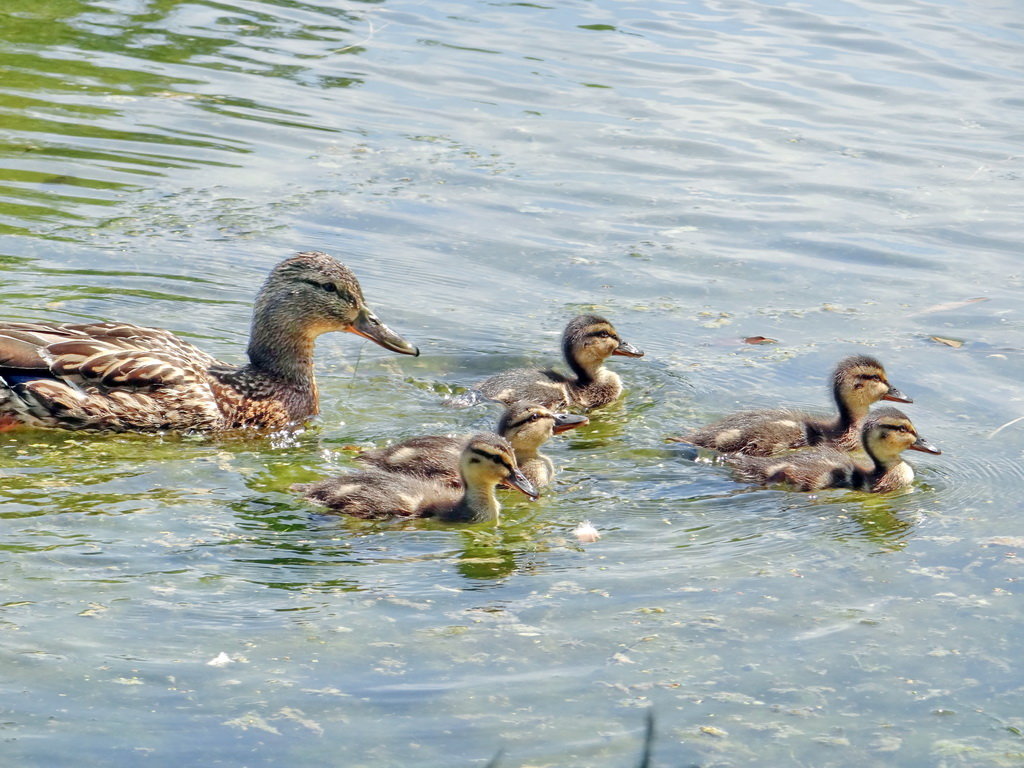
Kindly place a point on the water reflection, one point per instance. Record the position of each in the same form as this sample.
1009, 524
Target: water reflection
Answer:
122, 97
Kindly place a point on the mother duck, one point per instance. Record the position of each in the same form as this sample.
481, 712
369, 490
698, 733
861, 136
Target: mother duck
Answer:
126, 378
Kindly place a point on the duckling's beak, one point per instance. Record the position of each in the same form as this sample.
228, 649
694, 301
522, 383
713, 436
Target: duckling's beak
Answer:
369, 327
924, 446
566, 421
518, 481
896, 396
627, 350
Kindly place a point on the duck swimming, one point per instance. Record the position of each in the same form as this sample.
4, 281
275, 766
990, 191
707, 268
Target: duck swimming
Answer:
588, 341
526, 426
486, 461
857, 382
119, 377
886, 433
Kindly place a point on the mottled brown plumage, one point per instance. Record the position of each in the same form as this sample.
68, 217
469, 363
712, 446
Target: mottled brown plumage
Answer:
484, 462
120, 377
526, 426
857, 382
886, 433
587, 343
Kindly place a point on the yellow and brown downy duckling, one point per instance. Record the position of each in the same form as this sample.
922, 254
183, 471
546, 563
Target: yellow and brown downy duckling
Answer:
120, 377
526, 426
886, 433
486, 461
857, 383
587, 343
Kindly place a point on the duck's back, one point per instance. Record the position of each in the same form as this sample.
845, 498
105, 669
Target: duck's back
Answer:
104, 376
761, 433
543, 387
374, 494
809, 470
430, 457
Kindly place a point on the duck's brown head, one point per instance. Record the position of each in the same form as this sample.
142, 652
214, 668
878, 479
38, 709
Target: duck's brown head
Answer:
311, 293
589, 340
488, 460
861, 380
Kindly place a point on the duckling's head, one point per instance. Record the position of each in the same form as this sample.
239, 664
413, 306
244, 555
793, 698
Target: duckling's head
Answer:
589, 340
488, 460
310, 294
860, 381
527, 426
888, 432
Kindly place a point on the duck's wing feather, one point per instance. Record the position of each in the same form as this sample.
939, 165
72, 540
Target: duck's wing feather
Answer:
103, 375
430, 457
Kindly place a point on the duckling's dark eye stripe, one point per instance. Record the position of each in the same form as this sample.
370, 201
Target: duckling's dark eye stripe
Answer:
598, 334
530, 417
492, 457
895, 427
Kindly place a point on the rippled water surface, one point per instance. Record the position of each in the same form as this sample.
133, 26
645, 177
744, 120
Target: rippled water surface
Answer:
838, 176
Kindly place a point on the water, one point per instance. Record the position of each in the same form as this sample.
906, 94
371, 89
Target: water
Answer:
839, 176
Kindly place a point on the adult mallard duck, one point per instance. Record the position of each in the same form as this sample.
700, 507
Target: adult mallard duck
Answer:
587, 343
119, 377
857, 382
486, 461
526, 426
886, 433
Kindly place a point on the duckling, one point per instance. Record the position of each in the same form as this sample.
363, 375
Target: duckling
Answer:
588, 341
526, 426
120, 377
885, 434
858, 381
486, 461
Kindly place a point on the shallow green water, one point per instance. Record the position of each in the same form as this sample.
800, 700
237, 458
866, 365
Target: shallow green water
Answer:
839, 176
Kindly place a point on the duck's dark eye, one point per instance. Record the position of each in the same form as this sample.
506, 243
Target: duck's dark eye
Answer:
534, 416
329, 287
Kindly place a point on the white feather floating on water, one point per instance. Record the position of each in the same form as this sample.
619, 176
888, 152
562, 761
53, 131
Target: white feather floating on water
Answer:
587, 533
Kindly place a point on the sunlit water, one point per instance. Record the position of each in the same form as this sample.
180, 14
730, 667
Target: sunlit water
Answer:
838, 176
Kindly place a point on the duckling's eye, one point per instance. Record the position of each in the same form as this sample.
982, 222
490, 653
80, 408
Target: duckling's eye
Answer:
534, 417
329, 287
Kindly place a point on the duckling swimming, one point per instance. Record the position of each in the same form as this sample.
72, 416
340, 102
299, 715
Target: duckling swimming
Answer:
588, 341
857, 382
120, 377
486, 461
886, 433
526, 426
